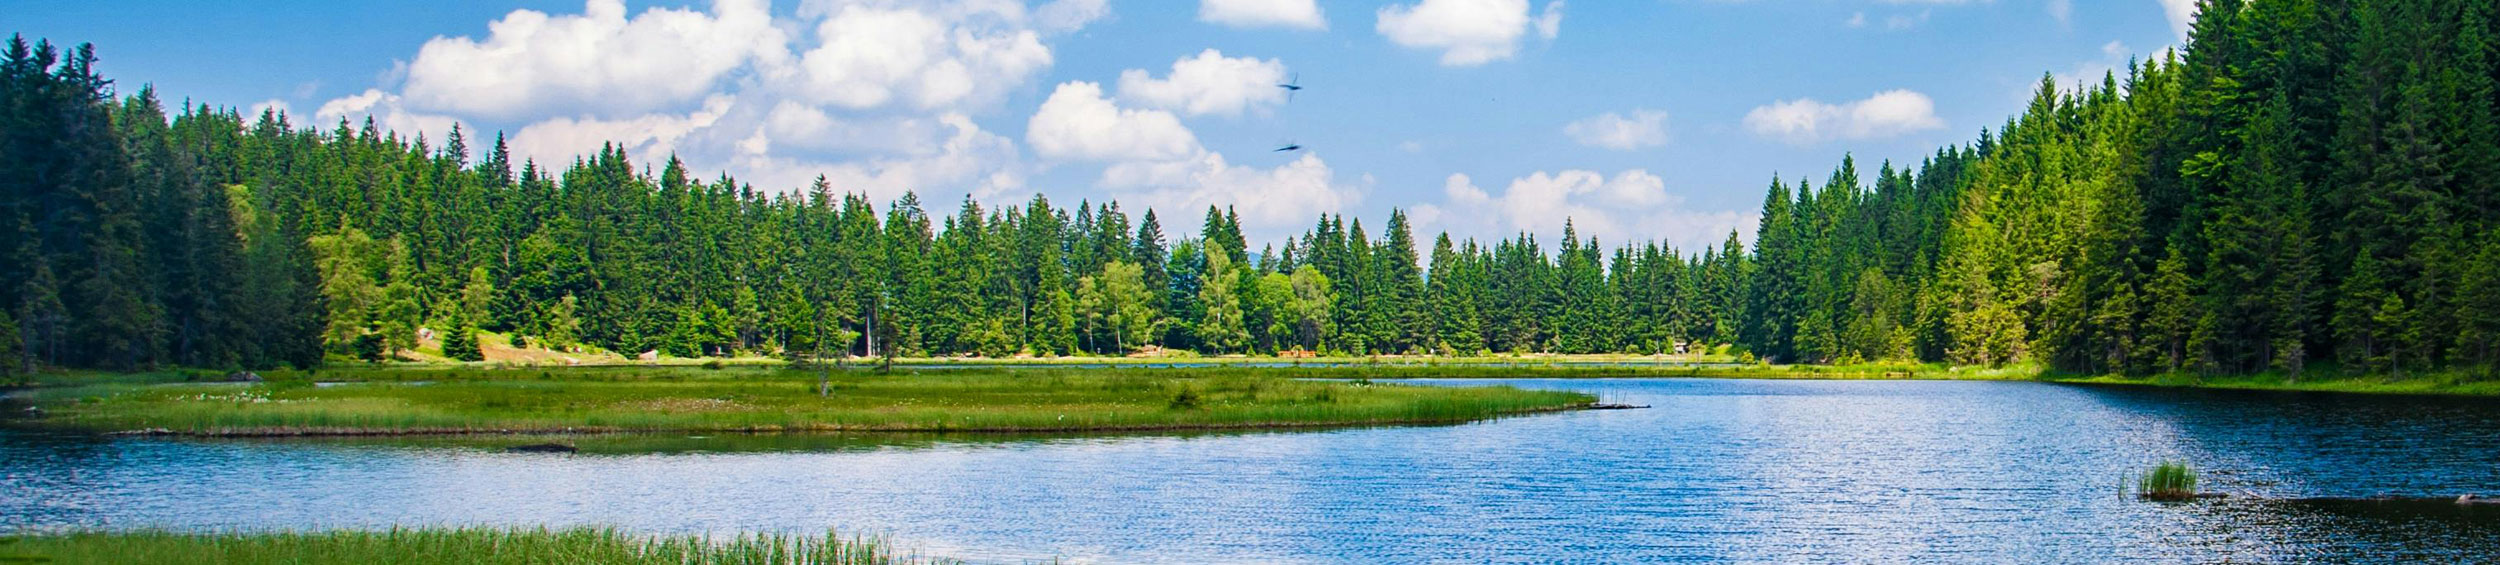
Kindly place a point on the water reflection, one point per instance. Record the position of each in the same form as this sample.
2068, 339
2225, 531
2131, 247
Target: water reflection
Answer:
1743, 471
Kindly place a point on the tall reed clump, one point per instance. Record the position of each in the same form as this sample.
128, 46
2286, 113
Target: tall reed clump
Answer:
487, 546
2171, 480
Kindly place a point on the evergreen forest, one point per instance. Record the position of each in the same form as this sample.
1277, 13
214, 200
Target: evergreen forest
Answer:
2304, 185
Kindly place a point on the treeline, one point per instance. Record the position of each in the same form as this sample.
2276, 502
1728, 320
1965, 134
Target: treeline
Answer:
2307, 181
2310, 181
211, 239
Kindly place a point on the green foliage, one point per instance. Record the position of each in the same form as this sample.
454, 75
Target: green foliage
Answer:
695, 398
2170, 480
12, 348
460, 340
2300, 183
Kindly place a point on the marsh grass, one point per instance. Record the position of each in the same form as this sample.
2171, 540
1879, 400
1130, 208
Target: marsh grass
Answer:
657, 399
483, 546
2168, 481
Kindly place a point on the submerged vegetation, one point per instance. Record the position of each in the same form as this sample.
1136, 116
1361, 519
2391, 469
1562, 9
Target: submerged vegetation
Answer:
414, 546
2168, 481
445, 401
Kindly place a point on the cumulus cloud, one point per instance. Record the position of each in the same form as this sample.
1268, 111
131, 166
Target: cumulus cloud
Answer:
598, 60
968, 156
874, 94
1468, 32
2182, 14
1077, 123
1208, 83
871, 56
1300, 14
558, 140
1644, 128
1806, 121
1069, 15
389, 112
1631, 206
1272, 202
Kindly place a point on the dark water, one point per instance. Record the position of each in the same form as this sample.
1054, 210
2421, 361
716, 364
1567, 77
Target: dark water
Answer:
1716, 471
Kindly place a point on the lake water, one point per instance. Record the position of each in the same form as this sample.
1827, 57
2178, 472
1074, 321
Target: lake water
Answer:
1714, 471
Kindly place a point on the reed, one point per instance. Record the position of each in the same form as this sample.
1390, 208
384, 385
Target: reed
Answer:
2168, 481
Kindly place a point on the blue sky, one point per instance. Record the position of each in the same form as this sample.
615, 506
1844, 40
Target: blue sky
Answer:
1638, 119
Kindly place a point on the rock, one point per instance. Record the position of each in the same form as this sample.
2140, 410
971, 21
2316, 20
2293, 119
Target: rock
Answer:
541, 448
243, 377
652, 355
1602, 406
2477, 499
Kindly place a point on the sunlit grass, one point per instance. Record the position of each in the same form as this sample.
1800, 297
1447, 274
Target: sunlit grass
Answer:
769, 399
484, 546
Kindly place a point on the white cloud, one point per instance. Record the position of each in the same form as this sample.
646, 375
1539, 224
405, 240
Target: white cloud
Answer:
1468, 32
983, 162
1272, 201
2062, 10
389, 113
1301, 14
1645, 128
648, 137
873, 56
1209, 83
874, 94
1631, 206
1549, 22
1806, 121
599, 60
2182, 14
1069, 15
1077, 123
271, 104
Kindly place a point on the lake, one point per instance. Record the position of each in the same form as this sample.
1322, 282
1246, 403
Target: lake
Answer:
1713, 471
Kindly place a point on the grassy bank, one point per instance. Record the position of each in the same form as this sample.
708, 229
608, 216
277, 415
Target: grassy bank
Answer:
680, 399
436, 545
2442, 383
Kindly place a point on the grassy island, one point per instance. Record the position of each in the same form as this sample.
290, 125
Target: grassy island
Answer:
460, 400
483, 546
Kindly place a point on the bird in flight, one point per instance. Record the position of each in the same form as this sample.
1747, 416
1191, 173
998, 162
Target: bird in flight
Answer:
1291, 85
1289, 147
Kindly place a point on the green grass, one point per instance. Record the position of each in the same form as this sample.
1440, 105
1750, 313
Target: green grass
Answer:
758, 399
2449, 383
2171, 480
481, 546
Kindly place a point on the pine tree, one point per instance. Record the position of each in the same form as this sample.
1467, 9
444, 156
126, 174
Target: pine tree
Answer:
460, 341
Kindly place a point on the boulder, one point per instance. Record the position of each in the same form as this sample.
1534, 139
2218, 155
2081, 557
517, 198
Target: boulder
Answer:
243, 377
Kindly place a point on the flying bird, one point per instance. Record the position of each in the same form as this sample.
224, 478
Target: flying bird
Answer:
1291, 85
1288, 147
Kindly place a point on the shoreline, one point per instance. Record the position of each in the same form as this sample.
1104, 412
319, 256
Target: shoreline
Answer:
265, 433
